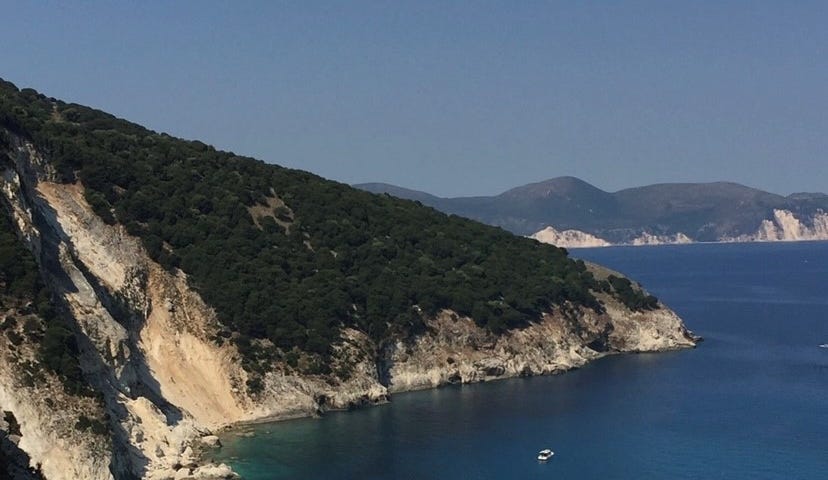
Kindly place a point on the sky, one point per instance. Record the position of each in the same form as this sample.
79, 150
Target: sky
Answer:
455, 98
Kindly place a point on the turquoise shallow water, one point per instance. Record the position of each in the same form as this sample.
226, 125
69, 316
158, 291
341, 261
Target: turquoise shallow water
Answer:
750, 403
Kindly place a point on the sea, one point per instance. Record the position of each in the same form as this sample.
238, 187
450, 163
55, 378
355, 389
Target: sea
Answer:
750, 402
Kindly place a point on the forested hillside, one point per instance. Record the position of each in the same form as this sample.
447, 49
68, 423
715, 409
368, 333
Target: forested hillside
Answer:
285, 255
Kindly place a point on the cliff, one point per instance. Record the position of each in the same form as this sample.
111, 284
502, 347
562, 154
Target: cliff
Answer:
783, 226
579, 239
161, 381
569, 238
147, 346
163, 369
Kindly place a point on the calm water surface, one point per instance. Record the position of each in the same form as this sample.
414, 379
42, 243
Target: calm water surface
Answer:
750, 403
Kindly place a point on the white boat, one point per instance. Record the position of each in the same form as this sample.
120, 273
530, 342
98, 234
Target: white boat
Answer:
824, 345
545, 455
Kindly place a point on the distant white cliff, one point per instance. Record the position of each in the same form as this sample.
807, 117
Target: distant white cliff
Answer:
569, 238
650, 239
579, 239
783, 227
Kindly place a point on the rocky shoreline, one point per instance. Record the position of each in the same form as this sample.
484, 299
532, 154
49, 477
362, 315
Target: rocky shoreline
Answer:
244, 428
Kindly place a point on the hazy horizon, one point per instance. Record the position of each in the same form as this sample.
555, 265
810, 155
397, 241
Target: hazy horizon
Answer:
584, 180
457, 99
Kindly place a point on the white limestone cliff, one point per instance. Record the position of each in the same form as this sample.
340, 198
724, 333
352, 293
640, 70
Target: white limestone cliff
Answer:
783, 226
786, 227
569, 238
579, 239
647, 238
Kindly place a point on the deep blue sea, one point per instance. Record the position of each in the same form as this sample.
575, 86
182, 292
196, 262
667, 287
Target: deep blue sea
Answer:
751, 402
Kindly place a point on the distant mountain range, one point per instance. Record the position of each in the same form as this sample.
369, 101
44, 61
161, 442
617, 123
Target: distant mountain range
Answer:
570, 212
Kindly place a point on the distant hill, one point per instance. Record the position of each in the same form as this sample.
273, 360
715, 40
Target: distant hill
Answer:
400, 192
720, 211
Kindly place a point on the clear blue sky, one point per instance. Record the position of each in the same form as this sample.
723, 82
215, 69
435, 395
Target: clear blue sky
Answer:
456, 98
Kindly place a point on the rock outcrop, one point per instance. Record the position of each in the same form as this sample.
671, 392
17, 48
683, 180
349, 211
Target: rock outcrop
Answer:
569, 238
786, 227
150, 347
647, 238
579, 239
14, 461
144, 340
457, 351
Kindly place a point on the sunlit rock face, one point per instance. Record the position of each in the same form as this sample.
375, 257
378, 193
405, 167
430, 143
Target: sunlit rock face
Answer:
650, 239
786, 227
569, 238
579, 239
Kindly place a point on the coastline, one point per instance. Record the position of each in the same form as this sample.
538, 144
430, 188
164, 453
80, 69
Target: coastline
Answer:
210, 454
242, 427
694, 242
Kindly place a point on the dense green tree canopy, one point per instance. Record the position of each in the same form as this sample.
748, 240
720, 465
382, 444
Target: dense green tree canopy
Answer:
286, 255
